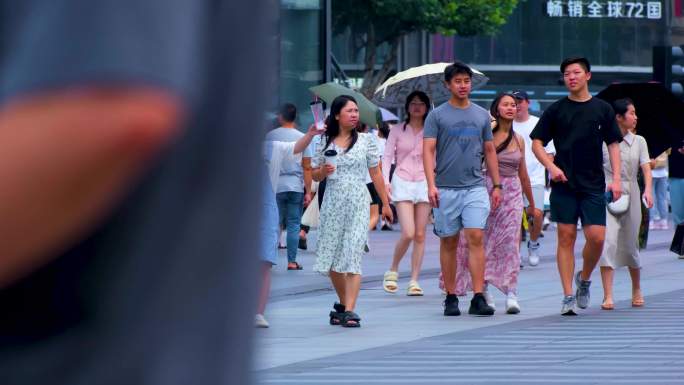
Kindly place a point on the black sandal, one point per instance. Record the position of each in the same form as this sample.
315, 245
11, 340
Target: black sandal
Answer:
350, 320
297, 266
336, 316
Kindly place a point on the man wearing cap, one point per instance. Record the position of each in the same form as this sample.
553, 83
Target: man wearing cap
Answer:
524, 124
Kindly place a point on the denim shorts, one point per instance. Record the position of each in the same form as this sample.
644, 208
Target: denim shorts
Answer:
458, 209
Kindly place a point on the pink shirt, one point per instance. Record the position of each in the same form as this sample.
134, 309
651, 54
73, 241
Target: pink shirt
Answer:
406, 147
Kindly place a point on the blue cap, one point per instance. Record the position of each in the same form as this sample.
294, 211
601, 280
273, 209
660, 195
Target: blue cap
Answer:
519, 94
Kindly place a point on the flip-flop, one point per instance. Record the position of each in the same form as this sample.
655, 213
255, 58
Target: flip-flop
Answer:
296, 266
389, 281
638, 302
608, 306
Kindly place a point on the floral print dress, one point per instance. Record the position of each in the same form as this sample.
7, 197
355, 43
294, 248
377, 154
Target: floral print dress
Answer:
345, 211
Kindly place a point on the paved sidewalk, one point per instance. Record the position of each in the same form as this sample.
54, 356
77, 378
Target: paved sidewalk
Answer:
300, 347
625, 346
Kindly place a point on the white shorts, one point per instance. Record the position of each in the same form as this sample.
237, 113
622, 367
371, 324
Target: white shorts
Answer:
538, 195
402, 190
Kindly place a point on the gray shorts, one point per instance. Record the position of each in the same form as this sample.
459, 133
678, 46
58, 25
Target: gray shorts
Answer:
460, 209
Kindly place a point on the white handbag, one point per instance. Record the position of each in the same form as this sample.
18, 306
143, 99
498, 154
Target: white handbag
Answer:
310, 217
620, 206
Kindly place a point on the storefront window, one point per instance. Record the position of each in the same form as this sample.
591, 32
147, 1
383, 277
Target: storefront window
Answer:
301, 53
535, 35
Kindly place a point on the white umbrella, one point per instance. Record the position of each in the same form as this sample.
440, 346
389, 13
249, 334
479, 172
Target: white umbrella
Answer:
428, 78
388, 116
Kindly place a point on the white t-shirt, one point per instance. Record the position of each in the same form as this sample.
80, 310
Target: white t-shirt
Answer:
377, 139
291, 176
659, 172
534, 168
380, 142
275, 155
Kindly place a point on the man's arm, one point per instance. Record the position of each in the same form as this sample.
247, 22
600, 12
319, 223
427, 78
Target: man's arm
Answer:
525, 177
556, 174
301, 145
429, 151
493, 170
614, 156
66, 158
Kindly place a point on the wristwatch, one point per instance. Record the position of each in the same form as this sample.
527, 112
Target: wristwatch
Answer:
497, 186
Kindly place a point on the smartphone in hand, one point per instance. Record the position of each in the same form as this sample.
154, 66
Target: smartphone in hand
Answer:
608, 196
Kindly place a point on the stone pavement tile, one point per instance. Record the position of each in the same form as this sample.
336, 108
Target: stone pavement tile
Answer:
288, 283
566, 351
299, 331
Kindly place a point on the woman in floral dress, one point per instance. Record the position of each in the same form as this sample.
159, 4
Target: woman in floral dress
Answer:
345, 211
502, 235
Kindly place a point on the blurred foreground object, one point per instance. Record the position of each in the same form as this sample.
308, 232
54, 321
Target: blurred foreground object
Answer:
124, 126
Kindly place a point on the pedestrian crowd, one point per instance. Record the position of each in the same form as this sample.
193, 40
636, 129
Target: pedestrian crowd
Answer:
478, 176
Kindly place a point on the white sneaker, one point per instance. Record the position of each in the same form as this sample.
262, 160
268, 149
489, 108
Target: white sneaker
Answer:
489, 298
512, 306
664, 225
260, 321
533, 253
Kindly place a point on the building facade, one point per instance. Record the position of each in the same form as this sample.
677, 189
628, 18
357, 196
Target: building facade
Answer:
304, 47
616, 36
310, 53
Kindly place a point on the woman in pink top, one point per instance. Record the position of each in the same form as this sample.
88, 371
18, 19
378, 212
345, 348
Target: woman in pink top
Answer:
408, 189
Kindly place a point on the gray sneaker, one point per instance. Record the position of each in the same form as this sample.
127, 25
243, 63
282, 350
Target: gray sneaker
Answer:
569, 304
582, 292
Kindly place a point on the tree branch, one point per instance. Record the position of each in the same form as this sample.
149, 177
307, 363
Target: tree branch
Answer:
390, 58
370, 57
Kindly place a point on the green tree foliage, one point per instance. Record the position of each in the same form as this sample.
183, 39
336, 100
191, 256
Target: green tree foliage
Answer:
377, 22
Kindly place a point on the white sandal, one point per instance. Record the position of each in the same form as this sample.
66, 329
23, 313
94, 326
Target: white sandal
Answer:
414, 290
389, 281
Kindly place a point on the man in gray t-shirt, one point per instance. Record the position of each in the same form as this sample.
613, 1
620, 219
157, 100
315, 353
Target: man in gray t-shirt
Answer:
456, 135
460, 134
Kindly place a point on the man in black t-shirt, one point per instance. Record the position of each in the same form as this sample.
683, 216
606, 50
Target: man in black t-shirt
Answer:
578, 124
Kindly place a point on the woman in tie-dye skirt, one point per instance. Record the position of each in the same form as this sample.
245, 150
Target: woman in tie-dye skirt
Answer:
502, 235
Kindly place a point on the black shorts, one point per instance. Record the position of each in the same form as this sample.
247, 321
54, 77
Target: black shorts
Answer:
375, 198
568, 205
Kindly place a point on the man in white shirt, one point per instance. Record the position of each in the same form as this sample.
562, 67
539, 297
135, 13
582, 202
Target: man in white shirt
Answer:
524, 124
294, 182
